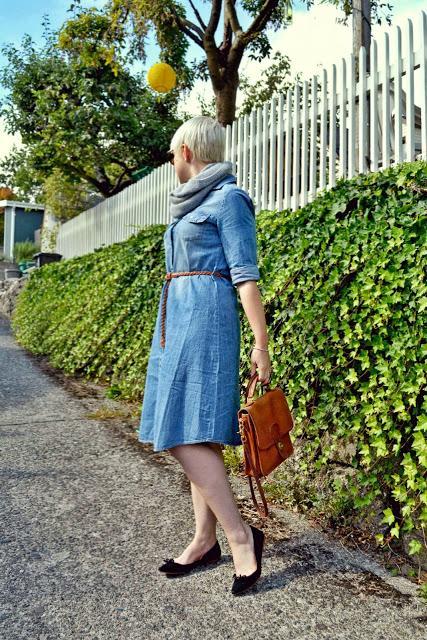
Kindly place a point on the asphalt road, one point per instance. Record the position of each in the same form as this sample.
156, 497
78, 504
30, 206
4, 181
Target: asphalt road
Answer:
86, 517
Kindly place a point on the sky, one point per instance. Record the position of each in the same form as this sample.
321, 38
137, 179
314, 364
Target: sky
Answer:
314, 40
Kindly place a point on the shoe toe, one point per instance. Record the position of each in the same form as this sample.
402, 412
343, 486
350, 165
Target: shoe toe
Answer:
168, 565
175, 568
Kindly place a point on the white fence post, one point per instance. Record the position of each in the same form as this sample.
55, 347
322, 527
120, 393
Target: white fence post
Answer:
373, 86
343, 121
398, 131
272, 160
280, 151
423, 72
362, 166
385, 95
304, 144
323, 129
409, 71
332, 110
313, 140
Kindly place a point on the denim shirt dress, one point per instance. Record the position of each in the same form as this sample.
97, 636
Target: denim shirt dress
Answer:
192, 389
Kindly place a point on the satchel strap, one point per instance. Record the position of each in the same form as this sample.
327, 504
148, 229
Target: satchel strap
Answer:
263, 511
253, 380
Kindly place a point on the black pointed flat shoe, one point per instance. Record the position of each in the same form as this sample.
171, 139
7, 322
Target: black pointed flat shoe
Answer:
170, 567
242, 583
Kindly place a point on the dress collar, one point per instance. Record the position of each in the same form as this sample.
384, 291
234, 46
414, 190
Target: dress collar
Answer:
230, 178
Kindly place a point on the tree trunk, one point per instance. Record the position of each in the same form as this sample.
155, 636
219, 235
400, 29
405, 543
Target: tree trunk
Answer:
225, 97
362, 31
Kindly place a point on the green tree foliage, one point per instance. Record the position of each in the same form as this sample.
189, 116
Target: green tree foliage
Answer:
343, 282
223, 51
79, 110
16, 169
377, 9
274, 80
66, 199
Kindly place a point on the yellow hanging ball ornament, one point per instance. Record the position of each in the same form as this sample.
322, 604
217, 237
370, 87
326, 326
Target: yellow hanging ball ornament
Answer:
161, 77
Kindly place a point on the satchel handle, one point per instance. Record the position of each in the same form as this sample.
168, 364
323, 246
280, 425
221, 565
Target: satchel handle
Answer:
254, 377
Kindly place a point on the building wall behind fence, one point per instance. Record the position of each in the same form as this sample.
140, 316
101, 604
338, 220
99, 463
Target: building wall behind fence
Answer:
296, 145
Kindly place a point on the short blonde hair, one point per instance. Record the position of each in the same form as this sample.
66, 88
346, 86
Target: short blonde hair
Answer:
204, 136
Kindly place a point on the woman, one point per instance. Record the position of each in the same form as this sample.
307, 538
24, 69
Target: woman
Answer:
192, 394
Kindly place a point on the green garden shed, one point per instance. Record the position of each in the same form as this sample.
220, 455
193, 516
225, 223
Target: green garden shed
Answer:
22, 222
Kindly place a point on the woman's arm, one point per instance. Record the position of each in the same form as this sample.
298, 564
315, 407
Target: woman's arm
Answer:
237, 231
254, 310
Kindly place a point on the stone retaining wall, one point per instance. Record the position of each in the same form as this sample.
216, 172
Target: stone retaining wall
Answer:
9, 291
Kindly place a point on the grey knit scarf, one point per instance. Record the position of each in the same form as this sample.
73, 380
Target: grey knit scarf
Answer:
189, 195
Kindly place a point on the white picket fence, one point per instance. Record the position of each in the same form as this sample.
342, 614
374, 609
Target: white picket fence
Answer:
297, 144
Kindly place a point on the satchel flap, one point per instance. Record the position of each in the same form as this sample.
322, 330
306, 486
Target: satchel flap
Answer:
271, 417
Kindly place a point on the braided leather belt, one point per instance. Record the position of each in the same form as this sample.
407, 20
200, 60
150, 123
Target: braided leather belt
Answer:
176, 274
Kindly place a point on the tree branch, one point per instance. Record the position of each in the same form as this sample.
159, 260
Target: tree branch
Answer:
198, 16
214, 19
231, 14
121, 187
260, 21
119, 182
191, 25
235, 54
100, 186
186, 27
225, 45
122, 164
209, 44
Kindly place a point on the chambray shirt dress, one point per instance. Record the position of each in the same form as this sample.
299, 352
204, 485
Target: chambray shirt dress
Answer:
192, 385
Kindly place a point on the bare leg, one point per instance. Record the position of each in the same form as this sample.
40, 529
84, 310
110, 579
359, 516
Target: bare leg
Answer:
205, 535
204, 467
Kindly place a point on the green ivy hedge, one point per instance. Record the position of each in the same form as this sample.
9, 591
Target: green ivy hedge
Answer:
345, 294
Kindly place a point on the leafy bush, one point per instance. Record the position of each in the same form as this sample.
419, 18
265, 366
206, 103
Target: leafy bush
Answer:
24, 250
345, 294
94, 315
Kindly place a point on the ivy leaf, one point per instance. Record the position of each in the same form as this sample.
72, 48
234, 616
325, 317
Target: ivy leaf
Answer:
414, 547
388, 516
352, 376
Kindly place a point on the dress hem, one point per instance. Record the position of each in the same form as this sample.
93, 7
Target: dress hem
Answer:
175, 444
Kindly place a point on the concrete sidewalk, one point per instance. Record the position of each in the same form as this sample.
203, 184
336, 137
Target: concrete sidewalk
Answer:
86, 518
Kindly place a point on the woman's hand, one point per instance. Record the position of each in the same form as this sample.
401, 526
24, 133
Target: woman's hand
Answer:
261, 364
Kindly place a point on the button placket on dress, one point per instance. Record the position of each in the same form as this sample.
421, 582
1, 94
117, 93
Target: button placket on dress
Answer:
172, 274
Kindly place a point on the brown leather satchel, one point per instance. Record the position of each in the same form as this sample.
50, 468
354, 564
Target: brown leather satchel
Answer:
264, 426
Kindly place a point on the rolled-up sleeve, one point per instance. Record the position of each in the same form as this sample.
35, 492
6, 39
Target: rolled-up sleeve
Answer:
237, 231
